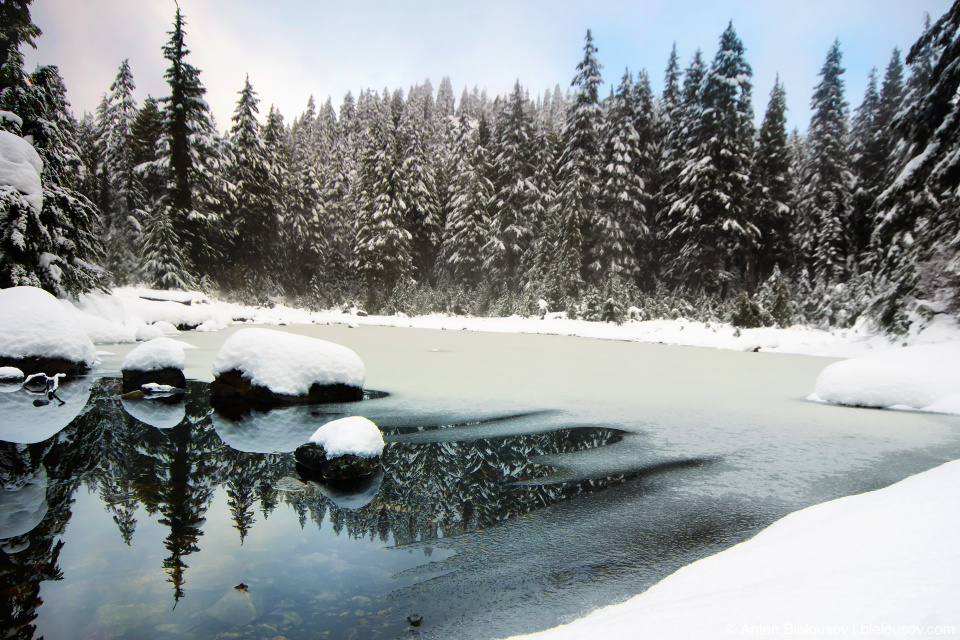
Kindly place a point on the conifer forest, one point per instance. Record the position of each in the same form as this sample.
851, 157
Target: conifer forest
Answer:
604, 202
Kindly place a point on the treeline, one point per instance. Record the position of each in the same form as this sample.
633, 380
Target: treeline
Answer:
673, 204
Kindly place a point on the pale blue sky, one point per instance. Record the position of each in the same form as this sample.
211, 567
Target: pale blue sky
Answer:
295, 48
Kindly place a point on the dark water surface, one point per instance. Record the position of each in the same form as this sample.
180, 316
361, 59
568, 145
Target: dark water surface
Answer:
527, 480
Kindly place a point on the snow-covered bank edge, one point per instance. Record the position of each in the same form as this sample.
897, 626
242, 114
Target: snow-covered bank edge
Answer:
877, 565
129, 314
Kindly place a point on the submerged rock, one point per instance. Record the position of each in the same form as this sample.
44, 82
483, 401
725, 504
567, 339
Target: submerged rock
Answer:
237, 607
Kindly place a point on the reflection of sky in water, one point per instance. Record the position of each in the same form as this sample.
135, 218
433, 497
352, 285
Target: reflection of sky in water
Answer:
718, 444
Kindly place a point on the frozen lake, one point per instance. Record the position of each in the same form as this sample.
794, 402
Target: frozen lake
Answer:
659, 455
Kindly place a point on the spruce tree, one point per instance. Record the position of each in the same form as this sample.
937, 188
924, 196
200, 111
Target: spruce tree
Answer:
471, 192
579, 168
712, 212
620, 216
825, 197
189, 153
118, 160
773, 192
866, 163
513, 210
919, 211
252, 214
382, 246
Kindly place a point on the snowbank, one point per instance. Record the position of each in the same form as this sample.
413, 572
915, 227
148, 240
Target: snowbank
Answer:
354, 435
287, 363
159, 353
924, 377
33, 324
24, 423
877, 565
20, 168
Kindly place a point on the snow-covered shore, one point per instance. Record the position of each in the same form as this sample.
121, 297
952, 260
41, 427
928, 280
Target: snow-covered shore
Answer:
129, 314
882, 564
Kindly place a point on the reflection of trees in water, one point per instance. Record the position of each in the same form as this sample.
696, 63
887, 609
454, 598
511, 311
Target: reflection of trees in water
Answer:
428, 490
443, 489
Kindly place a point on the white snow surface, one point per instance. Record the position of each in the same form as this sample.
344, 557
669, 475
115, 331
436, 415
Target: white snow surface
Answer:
924, 377
288, 363
159, 353
10, 374
20, 168
23, 423
35, 323
355, 435
876, 565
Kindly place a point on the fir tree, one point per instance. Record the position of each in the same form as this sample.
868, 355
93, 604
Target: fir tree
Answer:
773, 192
825, 182
252, 196
119, 162
471, 192
620, 218
713, 213
164, 263
189, 152
579, 166
512, 215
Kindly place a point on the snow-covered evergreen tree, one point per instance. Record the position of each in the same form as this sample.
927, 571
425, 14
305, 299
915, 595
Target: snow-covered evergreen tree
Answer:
382, 249
513, 211
865, 163
417, 189
579, 176
773, 193
825, 197
116, 124
189, 153
253, 195
471, 191
917, 236
712, 213
164, 263
63, 250
620, 219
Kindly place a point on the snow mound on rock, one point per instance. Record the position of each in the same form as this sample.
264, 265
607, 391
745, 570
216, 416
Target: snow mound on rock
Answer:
925, 377
159, 353
354, 435
33, 324
288, 363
